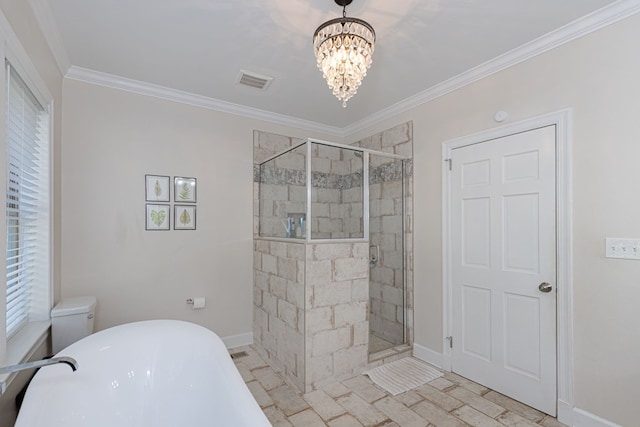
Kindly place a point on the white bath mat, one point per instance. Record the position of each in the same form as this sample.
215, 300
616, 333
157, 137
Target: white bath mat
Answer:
402, 375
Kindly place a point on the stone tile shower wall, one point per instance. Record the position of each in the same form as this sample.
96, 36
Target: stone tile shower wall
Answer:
337, 311
279, 304
265, 145
283, 192
311, 309
336, 193
386, 290
385, 210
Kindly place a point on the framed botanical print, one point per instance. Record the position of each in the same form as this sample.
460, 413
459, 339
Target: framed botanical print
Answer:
184, 189
184, 217
157, 188
157, 217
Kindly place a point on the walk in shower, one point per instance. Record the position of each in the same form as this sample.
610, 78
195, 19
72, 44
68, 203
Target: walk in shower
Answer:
330, 259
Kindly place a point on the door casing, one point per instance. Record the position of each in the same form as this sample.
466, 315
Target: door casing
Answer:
564, 263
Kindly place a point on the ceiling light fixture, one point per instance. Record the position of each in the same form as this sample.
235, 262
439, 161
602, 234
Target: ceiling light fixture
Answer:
343, 49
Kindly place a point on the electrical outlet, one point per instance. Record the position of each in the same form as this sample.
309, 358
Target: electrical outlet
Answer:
622, 248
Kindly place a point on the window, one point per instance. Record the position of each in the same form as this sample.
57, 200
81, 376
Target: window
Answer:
27, 206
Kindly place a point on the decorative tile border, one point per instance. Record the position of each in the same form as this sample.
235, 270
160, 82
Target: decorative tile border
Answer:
281, 176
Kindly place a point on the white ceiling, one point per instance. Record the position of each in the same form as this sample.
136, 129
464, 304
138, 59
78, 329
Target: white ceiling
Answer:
200, 46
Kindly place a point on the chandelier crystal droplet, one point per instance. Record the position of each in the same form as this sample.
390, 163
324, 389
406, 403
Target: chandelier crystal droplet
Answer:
343, 49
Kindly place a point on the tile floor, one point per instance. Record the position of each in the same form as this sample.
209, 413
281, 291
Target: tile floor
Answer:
449, 401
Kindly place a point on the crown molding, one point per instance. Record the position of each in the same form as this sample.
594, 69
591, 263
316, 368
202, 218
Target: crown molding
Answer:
49, 28
157, 91
587, 24
580, 27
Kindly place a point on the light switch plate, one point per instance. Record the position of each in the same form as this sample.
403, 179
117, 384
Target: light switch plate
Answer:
622, 248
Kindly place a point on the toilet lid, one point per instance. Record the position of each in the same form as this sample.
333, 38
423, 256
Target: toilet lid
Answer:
75, 305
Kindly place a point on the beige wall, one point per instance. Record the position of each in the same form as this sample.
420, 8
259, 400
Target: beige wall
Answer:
596, 76
112, 139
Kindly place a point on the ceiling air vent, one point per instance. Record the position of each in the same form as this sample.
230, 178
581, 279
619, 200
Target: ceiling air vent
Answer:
251, 79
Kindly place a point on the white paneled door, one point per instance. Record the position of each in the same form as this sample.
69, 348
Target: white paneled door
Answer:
503, 276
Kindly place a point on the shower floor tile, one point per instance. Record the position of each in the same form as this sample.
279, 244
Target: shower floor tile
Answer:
377, 344
340, 404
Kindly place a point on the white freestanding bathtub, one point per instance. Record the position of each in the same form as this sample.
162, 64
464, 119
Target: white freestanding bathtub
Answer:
156, 373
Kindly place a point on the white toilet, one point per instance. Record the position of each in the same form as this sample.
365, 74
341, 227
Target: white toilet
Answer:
72, 320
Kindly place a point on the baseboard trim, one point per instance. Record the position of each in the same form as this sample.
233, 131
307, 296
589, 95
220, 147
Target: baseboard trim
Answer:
427, 355
565, 413
583, 418
234, 341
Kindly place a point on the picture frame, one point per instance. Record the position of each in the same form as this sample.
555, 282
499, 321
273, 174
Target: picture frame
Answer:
157, 217
184, 189
157, 188
184, 217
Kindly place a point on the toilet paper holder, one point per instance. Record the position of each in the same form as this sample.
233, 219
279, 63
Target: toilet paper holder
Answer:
197, 302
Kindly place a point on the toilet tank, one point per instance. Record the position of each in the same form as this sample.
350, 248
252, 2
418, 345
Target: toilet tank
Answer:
71, 320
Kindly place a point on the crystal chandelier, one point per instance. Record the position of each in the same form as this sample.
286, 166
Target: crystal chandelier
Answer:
343, 49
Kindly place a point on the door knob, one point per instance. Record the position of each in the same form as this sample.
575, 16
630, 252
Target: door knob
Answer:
545, 287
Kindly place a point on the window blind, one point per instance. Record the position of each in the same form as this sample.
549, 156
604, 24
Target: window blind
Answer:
27, 201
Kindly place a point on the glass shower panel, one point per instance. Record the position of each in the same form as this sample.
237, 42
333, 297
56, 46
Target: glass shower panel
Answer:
386, 233
283, 195
337, 208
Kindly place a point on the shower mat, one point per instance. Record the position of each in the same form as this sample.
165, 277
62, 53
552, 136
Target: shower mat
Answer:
402, 375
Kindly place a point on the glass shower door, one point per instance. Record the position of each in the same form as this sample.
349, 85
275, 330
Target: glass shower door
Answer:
387, 290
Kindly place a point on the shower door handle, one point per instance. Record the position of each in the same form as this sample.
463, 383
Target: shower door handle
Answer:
374, 255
